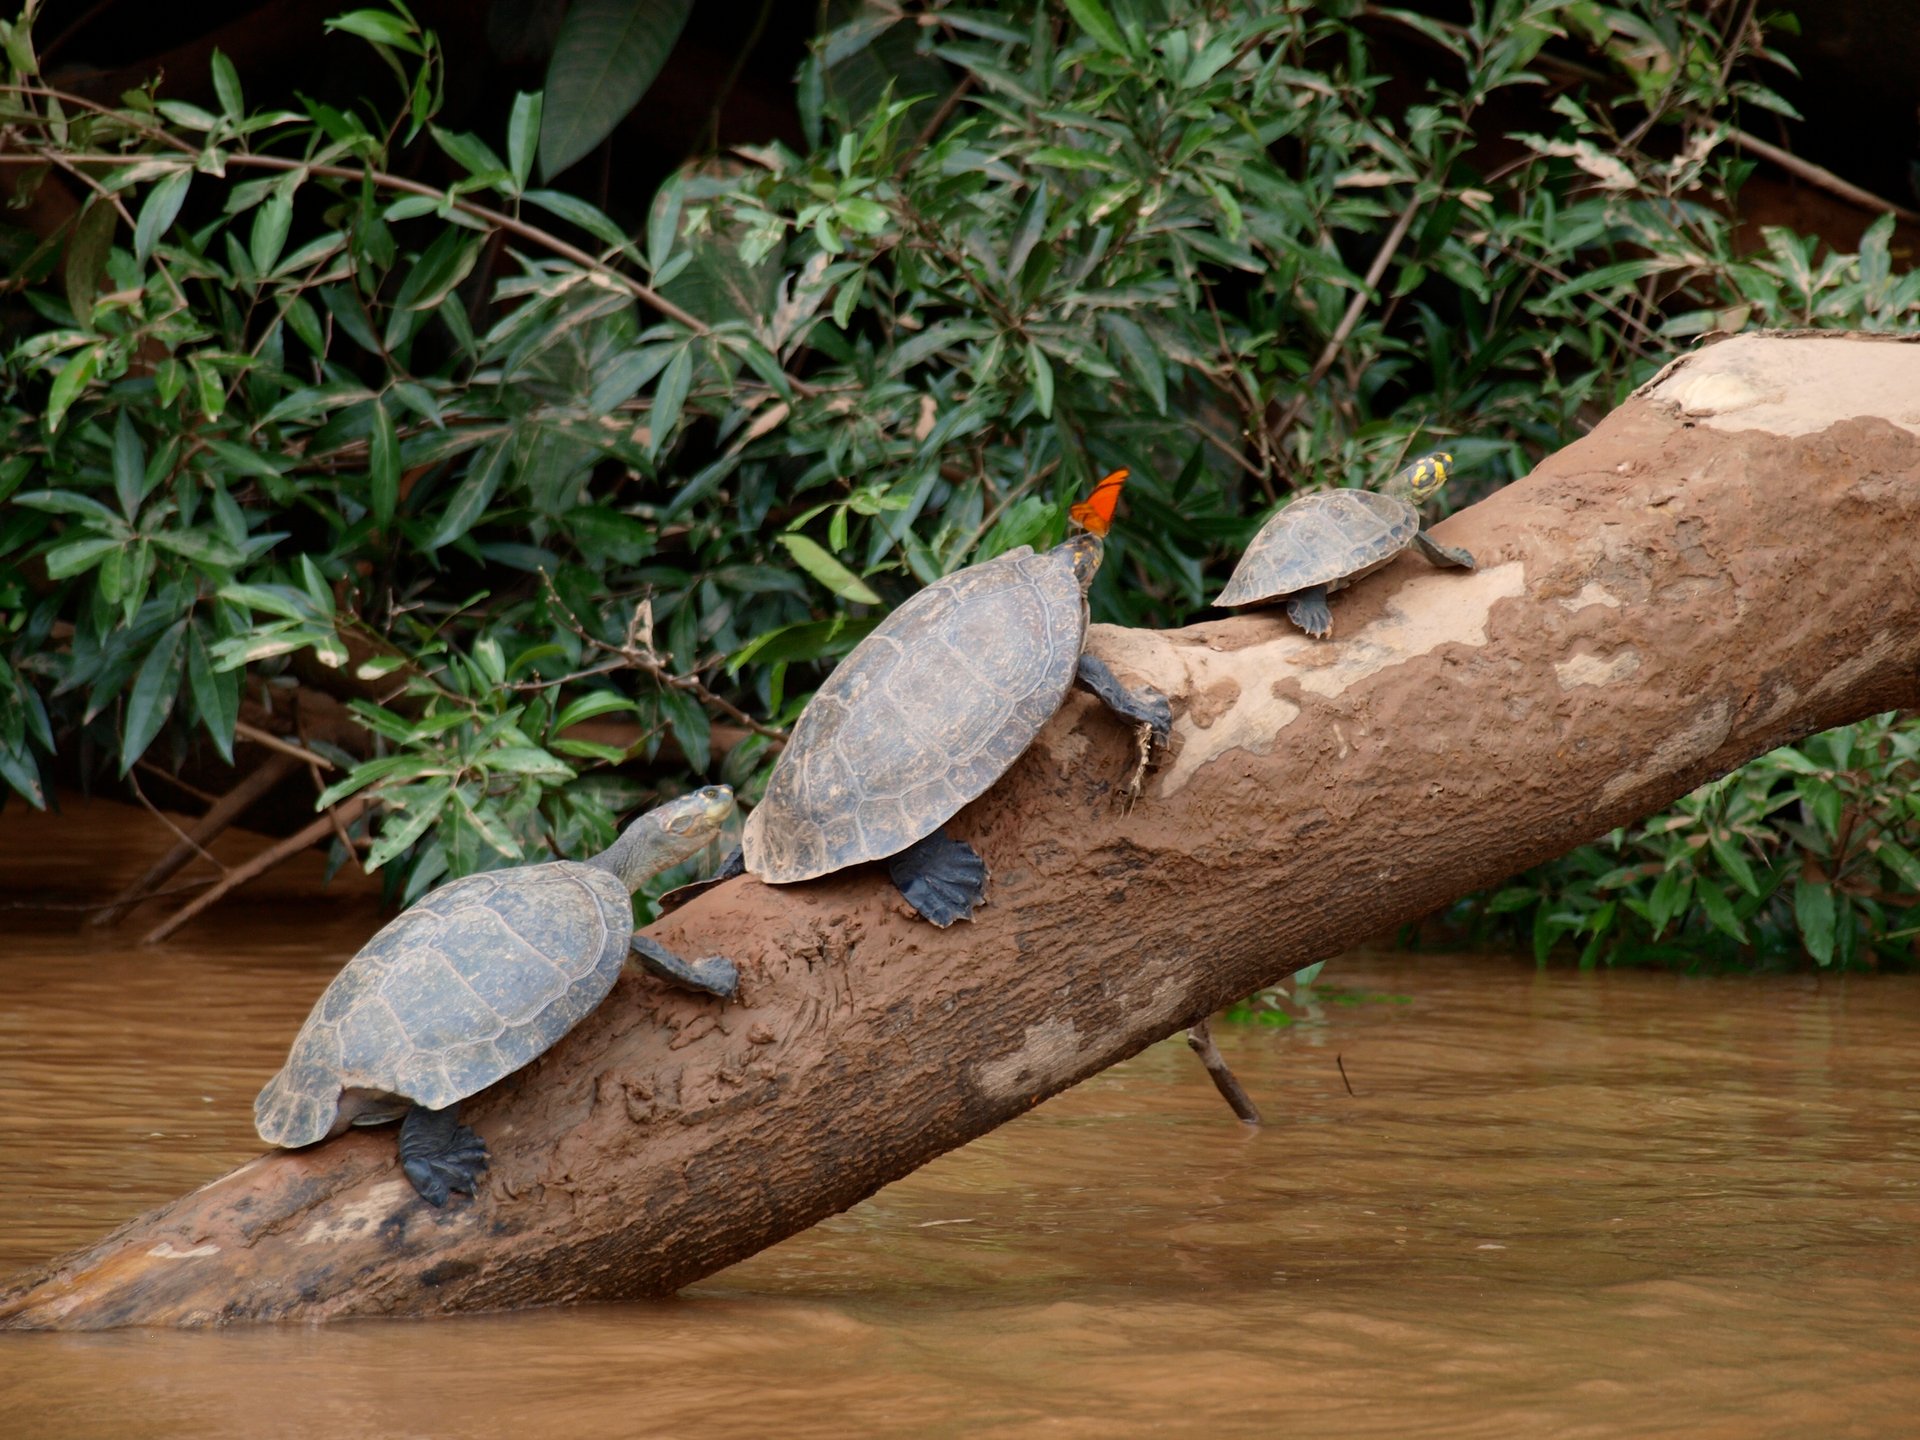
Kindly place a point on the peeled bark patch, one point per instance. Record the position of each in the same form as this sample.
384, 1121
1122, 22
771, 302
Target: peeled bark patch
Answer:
1727, 563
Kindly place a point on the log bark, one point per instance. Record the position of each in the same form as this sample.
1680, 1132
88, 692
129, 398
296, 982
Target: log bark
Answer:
1730, 561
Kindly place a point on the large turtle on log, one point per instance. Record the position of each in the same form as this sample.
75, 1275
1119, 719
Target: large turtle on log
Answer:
1325, 541
929, 710
471, 982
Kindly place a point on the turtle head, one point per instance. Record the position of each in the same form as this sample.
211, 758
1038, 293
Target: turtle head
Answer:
668, 834
1083, 552
1422, 478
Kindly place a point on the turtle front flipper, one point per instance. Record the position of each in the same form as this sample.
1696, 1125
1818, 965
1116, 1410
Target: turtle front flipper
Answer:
715, 975
439, 1154
1308, 609
942, 878
1145, 706
1442, 555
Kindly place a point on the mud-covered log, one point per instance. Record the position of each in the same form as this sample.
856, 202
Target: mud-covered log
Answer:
1730, 561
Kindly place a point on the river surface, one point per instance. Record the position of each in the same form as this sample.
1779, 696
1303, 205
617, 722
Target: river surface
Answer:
1554, 1204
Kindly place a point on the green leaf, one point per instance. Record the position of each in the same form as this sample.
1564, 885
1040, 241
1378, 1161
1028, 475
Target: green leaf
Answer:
470, 152
282, 600
414, 821
443, 265
523, 136
22, 771
270, 225
474, 493
129, 464
807, 640
1093, 17
226, 85
605, 57
200, 545
669, 396
75, 556
579, 212
1733, 862
692, 731
216, 694
387, 767
1813, 913
380, 26
383, 458
158, 211
1040, 370
1719, 910
88, 247
1900, 860
151, 700
68, 384
240, 460
818, 563
526, 760
586, 707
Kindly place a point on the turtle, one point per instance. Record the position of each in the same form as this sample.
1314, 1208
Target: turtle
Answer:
1325, 541
471, 982
929, 710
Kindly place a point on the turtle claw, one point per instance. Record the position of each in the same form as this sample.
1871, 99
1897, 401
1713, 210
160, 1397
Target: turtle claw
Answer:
1308, 609
942, 878
439, 1155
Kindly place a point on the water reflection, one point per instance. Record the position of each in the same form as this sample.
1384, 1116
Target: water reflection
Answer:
1554, 1205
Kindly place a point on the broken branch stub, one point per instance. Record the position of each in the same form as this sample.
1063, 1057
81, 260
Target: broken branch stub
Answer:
1727, 563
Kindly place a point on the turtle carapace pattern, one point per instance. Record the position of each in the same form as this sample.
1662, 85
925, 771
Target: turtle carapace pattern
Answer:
1323, 542
928, 711
471, 982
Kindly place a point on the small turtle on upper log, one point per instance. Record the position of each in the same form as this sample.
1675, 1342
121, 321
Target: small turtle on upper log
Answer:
473, 981
1325, 541
929, 710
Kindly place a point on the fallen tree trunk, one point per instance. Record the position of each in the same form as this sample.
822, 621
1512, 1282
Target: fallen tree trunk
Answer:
1727, 563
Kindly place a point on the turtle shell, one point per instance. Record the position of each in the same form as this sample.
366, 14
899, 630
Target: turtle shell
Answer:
925, 713
466, 986
1330, 537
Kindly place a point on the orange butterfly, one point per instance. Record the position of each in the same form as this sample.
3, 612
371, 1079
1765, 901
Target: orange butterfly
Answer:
1096, 511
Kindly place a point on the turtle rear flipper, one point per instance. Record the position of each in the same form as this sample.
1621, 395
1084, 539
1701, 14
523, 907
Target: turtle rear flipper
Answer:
1309, 610
439, 1154
942, 878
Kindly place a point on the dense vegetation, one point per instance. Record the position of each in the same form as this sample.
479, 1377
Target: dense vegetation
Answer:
285, 422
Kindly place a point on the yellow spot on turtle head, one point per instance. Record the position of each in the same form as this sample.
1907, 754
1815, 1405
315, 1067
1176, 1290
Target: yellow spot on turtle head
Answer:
1427, 474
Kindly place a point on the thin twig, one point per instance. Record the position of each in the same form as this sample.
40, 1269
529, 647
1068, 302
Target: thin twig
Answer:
1805, 169
286, 747
1816, 175
1342, 1064
1200, 1041
637, 652
1355, 309
500, 220
932, 127
180, 835
222, 813
349, 811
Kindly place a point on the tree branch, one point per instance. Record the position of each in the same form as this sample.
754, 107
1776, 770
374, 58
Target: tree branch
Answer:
1724, 565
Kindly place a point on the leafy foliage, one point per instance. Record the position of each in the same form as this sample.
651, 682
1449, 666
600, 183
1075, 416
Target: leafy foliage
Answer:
1813, 848
476, 461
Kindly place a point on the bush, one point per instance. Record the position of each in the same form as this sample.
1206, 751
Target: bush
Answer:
475, 460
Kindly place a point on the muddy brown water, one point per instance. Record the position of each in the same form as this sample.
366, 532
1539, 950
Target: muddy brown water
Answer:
1556, 1205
